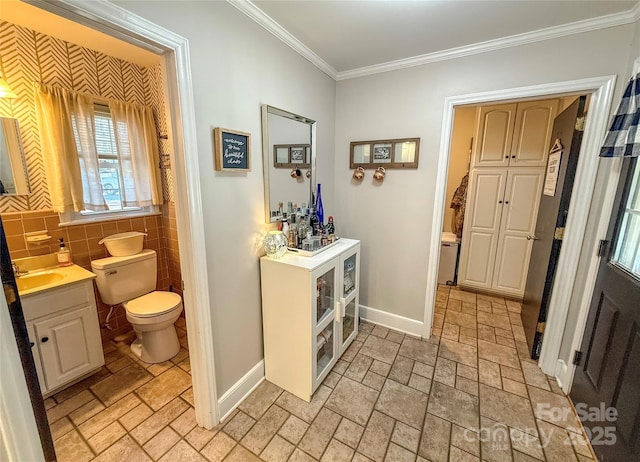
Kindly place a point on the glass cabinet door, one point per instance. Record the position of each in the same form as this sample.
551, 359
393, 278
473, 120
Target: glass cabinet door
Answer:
325, 295
349, 320
349, 272
349, 281
324, 349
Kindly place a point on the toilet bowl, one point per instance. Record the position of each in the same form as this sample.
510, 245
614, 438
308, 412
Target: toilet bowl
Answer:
131, 280
153, 316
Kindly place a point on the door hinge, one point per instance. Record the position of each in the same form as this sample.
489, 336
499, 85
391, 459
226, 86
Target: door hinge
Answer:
602, 247
559, 234
577, 357
580, 124
541, 327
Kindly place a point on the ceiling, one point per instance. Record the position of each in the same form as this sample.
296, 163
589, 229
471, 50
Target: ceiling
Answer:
347, 38
31, 17
350, 35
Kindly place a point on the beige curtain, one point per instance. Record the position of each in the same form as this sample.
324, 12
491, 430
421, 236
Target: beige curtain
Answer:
67, 137
136, 141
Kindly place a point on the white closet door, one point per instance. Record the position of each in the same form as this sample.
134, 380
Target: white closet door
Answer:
481, 227
532, 133
494, 132
521, 200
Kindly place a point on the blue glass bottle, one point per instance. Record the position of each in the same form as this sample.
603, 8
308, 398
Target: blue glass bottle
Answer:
319, 208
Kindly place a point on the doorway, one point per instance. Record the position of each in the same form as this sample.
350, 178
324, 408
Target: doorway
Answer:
601, 90
496, 171
513, 200
110, 19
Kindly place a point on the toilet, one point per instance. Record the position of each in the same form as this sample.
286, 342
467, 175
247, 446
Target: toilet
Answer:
131, 280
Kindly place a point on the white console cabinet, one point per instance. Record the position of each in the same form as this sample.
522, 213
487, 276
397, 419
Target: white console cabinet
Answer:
309, 314
65, 336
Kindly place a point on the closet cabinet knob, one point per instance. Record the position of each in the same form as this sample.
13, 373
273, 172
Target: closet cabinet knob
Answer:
44, 339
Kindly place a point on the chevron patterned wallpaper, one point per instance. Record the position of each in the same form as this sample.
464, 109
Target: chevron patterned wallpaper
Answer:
27, 56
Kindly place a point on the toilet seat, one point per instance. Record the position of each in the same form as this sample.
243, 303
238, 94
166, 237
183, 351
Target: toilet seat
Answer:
153, 304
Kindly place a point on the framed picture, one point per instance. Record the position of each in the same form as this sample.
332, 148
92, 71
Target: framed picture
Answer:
382, 153
297, 155
232, 150
396, 153
292, 155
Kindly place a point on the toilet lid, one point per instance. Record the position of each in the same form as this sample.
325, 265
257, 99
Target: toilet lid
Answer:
153, 304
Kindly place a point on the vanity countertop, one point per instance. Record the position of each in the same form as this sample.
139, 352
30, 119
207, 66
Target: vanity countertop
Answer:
39, 280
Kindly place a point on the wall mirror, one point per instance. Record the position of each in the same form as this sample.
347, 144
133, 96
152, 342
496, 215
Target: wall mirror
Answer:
13, 166
288, 150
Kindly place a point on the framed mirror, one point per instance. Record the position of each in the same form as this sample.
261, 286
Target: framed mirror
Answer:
13, 166
289, 157
396, 153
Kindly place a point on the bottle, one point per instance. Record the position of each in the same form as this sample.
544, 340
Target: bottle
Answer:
293, 232
319, 208
64, 255
302, 231
313, 221
331, 227
285, 225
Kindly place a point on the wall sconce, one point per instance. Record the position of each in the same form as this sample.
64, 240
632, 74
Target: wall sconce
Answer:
295, 173
358, 174
308, 174
379, 174
5, 90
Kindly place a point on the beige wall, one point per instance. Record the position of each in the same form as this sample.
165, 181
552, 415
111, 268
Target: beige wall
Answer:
27, 56
464, 120
237, 66
394, 220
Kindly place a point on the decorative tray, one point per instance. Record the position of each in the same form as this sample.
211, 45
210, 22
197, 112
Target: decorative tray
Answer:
306, 253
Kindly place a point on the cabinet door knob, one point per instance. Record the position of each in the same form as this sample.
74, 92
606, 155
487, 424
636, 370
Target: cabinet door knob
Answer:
513, 157
31, 344
506, 157
44, 339
506, 202
499, 202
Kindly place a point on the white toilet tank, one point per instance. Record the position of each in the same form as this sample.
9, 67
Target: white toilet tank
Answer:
120, 279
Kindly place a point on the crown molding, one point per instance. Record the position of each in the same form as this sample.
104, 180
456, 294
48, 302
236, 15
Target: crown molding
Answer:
587, 25
264, 20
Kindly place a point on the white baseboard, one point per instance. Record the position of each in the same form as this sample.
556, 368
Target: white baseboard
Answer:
393, 321
240, 390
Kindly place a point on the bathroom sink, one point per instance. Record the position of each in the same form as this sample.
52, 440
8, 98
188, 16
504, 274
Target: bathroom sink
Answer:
37, 280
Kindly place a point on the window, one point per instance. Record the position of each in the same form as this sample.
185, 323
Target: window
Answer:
110, 173
627, 252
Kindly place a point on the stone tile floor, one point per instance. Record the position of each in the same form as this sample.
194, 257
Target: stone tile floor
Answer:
469, 393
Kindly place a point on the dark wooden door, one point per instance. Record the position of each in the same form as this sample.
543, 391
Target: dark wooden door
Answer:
552, 216
608, 375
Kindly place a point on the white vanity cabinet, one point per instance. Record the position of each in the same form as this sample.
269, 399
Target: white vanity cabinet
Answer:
309, 314
64, 332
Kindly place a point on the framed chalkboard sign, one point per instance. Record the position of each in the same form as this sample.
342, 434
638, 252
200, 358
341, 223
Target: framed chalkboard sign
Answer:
232, 150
